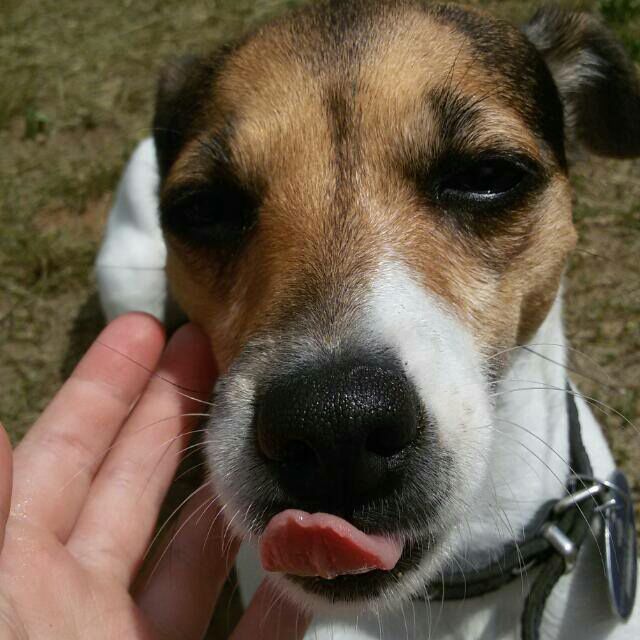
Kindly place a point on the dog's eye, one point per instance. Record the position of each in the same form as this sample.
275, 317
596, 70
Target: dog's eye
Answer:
210, 215
486, 180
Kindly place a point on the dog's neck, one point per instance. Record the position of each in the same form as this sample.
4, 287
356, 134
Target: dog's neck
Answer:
528, 466
528, 463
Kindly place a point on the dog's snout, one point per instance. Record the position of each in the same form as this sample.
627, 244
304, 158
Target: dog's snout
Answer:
337, 435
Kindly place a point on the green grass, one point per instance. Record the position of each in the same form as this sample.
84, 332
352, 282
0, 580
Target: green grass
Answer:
624, 17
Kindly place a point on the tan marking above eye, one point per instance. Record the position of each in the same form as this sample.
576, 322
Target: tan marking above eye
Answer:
330, 214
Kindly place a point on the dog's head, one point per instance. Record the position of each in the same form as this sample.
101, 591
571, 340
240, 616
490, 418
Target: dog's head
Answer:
364, 203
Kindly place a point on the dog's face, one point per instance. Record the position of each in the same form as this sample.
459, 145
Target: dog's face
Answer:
365, 205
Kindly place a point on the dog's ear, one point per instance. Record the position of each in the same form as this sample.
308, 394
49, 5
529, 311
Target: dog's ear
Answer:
598, 83
184, 83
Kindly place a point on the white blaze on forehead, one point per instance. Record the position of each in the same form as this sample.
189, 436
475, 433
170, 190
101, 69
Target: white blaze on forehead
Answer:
438, 354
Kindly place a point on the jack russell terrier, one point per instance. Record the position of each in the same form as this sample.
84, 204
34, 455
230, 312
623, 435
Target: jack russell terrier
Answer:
366, 205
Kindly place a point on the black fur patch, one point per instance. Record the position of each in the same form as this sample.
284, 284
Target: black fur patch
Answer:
184, 86
596, 78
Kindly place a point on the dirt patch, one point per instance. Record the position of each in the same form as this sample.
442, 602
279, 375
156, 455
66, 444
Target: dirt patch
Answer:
603, 303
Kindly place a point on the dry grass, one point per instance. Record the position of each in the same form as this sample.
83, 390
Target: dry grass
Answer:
76, 95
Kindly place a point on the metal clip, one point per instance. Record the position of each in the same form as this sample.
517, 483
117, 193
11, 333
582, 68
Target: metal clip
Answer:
577, 497
562, 544
609, 505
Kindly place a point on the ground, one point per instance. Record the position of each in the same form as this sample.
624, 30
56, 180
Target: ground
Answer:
76, 95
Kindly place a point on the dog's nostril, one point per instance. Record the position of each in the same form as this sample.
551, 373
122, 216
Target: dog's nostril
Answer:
389, 439
281, 446
298, 452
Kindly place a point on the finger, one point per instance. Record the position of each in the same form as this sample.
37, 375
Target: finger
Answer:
271, 616
116, 524
6, 475
57, 460
188, 570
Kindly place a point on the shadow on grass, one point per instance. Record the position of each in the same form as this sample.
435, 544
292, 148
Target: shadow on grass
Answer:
87, 324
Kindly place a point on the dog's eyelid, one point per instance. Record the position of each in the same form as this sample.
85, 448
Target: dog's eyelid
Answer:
220, 180
211, 213
454, 162
517, 157
490, 181
178, 194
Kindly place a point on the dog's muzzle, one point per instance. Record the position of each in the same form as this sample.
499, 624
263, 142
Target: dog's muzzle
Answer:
335, 437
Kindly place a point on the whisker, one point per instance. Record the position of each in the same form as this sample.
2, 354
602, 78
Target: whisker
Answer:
554, 475
186, 472
220, 513
212, 525
594, 402
154, 374
175, 535
170, 516
564, 347
226, 531
123, 439
193, 448
574, 370
167, 444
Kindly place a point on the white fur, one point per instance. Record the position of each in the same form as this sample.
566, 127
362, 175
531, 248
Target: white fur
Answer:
130, 265
511, 446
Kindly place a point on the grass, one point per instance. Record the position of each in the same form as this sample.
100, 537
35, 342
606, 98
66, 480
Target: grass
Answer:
76, 95
624, 17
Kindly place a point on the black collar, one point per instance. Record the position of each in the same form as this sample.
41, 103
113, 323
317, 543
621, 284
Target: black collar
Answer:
552, 539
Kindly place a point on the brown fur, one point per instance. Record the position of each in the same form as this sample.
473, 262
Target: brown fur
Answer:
331, 135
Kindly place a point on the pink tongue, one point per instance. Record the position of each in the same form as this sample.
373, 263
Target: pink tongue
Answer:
319, 544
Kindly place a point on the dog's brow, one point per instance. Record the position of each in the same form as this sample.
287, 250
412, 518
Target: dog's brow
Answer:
464, 127
456, 115
208, 154
216, 147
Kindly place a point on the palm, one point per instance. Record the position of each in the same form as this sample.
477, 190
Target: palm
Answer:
88, 483
101, 608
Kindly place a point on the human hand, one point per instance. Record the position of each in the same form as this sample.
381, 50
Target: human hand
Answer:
79, 507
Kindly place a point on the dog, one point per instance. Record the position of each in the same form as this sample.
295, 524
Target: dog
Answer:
366, 206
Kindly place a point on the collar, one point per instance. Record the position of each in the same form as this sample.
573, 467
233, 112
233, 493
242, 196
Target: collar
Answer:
552, 540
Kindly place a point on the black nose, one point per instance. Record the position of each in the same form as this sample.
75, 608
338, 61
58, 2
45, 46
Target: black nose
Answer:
338, 435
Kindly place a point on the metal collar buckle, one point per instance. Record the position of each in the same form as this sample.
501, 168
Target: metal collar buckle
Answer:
555, 536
